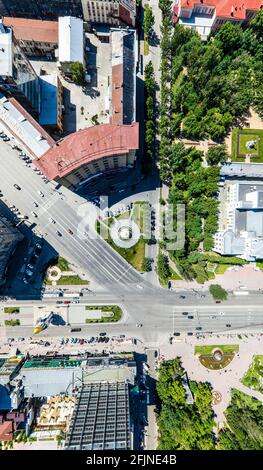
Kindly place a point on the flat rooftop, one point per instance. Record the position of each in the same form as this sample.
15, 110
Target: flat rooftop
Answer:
23, 127
52, 362
101, 418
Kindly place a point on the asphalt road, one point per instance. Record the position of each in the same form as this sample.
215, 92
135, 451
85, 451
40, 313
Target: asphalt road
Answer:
157, 309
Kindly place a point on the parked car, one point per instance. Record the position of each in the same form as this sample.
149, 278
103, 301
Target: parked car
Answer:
17, 187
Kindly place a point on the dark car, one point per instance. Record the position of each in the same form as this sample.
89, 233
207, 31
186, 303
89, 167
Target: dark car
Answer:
177, 334
103, 334
184, 313
190, 317
199, 328
190, 333
228, 325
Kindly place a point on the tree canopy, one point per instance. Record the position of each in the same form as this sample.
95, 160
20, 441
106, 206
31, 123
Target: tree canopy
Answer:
214, 83
183, 426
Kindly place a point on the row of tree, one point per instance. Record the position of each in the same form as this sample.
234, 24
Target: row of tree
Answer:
150, 117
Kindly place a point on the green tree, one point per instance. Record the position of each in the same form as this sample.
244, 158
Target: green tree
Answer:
77, 72
218, 292
217, 154
148, 20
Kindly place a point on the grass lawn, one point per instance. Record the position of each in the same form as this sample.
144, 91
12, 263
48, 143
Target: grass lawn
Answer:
259, 264
174, 276
221, 268
115, 309
146, 48
254, 376
239, 139
63, 264
134, 255
68, 280
11, 309
226, 348
12, 322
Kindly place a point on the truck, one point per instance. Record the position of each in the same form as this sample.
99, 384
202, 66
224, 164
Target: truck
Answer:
50, 294
74, 295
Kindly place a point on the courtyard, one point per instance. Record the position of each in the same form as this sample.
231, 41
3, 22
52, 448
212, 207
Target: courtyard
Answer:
247, 145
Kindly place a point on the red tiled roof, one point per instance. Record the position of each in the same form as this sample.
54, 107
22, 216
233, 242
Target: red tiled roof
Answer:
117, 94
86, 146
224, 8
6, 431
33, 30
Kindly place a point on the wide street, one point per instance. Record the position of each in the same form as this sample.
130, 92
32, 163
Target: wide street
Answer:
158, 310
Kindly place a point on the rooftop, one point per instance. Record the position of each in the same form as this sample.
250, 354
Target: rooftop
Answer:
23, 127
49, 100
86, 146
6, 51
33, 30
226, 8
52, 362
71, 39
101, 419
123, 85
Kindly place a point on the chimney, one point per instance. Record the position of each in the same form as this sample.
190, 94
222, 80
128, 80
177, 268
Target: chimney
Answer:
232, 11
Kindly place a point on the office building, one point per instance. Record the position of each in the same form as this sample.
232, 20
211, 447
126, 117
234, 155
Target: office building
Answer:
17, 76
240, 229
9, 237
101, 418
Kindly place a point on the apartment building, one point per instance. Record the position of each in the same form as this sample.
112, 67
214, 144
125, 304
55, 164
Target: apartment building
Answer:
36, 38
40, 9
206, 16
113, 12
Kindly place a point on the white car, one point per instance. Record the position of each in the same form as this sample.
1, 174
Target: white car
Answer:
35, 204
34, 214
41, 194
52, 220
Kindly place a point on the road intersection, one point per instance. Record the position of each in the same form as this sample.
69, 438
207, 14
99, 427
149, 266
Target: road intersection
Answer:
156, 308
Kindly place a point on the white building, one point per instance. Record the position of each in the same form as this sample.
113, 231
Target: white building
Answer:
241, 221
6, 51
70, 39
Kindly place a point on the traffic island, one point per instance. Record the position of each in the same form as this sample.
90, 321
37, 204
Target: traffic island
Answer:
104, 313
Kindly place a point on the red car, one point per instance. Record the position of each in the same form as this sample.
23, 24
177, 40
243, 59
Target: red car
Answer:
67, 301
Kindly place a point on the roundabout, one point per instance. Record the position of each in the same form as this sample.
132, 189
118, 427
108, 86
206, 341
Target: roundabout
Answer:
125, 233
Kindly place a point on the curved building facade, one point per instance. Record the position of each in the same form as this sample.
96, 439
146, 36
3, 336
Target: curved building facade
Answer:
90, 152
